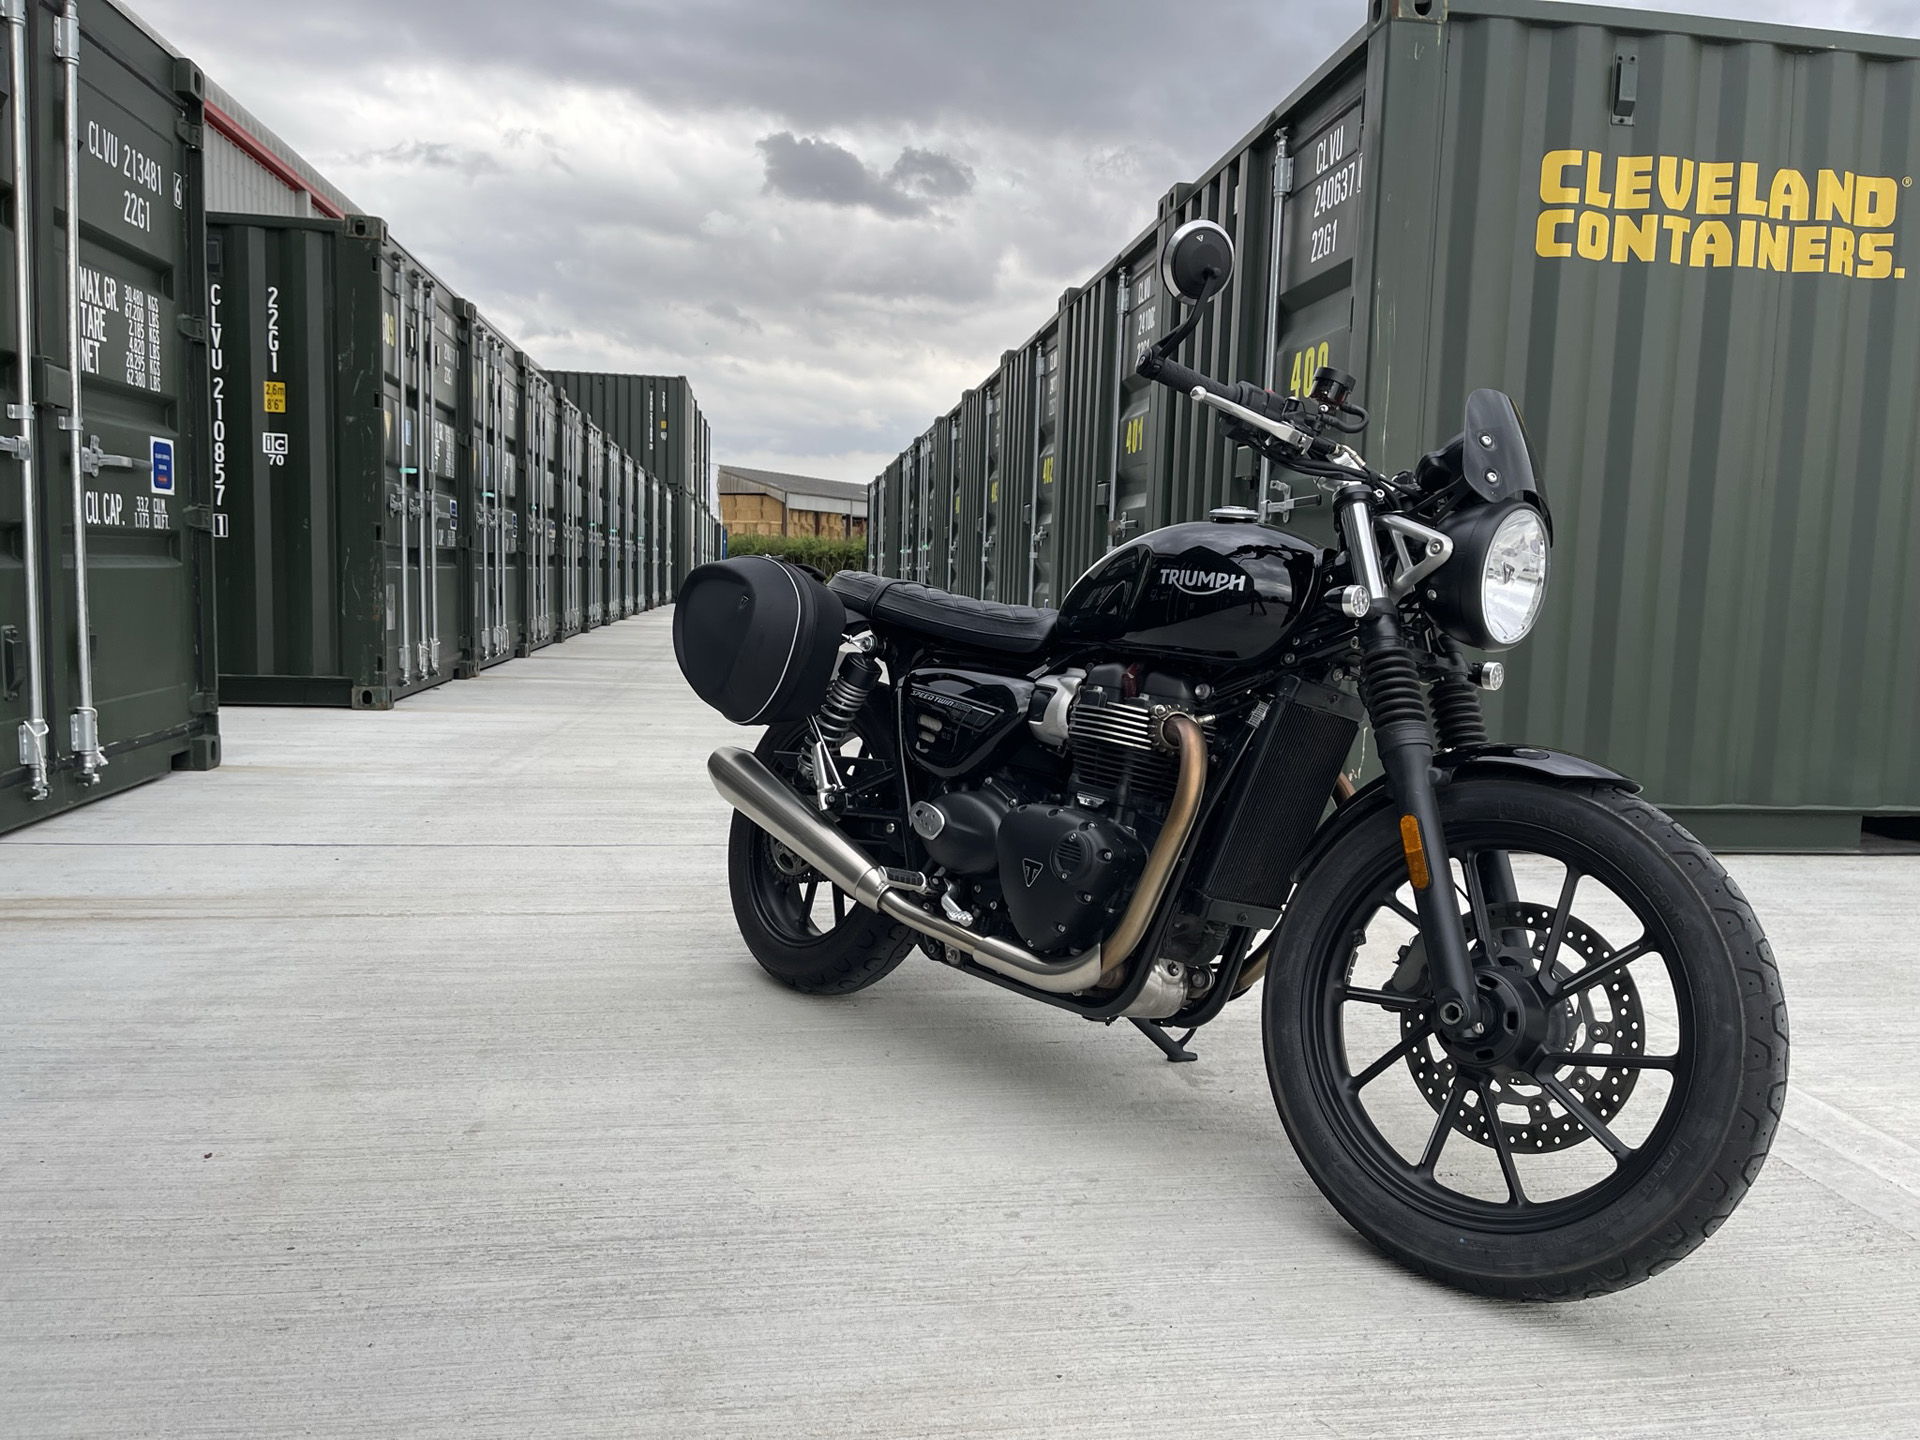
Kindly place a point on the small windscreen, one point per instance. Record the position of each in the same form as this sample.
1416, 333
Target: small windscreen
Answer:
1494, 452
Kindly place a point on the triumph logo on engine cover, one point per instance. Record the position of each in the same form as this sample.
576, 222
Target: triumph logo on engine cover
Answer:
1031, 871
1203, 582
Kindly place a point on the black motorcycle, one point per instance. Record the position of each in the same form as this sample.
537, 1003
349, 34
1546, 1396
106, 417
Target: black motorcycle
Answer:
1522, 1028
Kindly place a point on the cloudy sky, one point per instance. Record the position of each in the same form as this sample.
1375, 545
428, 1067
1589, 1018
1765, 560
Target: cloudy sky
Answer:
833, 215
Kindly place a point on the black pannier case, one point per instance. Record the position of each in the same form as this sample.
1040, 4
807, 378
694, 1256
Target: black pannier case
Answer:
756, 638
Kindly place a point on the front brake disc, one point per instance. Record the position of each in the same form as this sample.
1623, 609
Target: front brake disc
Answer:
1608, 1014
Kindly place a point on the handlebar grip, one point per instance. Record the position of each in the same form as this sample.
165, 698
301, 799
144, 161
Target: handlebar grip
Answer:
1176, 376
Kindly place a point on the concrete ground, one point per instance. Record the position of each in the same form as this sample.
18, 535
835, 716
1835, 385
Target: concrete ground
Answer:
406, 1076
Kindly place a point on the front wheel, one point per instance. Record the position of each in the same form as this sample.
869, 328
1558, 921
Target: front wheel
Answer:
1622, 1102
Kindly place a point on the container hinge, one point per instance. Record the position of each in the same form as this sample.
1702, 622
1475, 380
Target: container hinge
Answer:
93, 459
202, 517
66, 37
193, 136
203, 702
194, 327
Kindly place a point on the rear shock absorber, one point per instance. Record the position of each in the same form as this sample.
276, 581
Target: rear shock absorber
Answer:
858, 674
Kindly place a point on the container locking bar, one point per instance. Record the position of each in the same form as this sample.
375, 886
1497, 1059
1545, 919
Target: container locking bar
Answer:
84, 724
33, 729
405, 503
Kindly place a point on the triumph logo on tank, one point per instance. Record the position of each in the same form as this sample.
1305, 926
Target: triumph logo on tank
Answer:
1204, 582
1717, 214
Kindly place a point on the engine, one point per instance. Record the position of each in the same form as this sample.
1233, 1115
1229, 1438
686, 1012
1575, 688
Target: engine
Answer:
1058, 862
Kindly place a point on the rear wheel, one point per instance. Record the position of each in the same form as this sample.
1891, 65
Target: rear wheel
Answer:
1625, 1097
806, 932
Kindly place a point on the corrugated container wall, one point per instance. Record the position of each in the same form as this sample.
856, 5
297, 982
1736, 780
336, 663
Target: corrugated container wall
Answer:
656, 419
106, 605
1686, 248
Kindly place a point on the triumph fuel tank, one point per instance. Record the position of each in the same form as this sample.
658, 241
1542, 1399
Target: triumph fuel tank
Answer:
1224, 593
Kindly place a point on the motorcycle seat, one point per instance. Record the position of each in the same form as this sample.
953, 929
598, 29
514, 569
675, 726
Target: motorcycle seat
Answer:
943, 616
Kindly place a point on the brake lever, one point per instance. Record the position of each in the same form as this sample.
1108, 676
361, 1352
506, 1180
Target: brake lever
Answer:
1286, 434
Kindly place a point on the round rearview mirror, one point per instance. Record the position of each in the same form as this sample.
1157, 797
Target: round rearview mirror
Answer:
1197, 261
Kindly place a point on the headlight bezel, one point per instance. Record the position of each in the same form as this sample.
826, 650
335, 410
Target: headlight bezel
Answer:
1458, 601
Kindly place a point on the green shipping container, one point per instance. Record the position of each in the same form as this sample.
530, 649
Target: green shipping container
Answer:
537, 578
338, 509
488, 533
106, 606
1687, 248
657, 421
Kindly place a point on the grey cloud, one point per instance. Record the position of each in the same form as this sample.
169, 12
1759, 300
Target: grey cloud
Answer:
431, 155
809, 168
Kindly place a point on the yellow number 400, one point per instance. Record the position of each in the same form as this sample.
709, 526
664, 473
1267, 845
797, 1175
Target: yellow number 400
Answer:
1305, 363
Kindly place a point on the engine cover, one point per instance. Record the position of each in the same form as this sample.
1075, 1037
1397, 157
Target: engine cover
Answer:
1066, 874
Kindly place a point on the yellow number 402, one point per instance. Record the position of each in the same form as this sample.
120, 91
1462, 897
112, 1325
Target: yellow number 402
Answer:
1305, 363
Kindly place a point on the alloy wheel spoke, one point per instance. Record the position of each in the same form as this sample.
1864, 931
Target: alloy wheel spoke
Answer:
1601, 969
1387, 999
1443, 1126
1411, 917
1399, 1052
1516, 1193
1572, 1104
1557, 931
1477, 902
1594, 1060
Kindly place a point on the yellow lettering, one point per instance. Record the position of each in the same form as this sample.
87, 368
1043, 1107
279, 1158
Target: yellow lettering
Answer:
1676, 182
1840, 251
1712, 242
1716, 187
1750, 201
1876, 257
1546, 243
1833, 198
1874, 202
1553, 169
1787, 198
1635, 237
1677, 227
1591, 239
1595, 195
1747, 227
1632, 182
1775, 241
1809, 248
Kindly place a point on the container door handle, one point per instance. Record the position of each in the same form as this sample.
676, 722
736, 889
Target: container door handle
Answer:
84, 724
33, 729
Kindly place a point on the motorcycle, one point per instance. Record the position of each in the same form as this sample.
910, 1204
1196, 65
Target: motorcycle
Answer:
1523, 1030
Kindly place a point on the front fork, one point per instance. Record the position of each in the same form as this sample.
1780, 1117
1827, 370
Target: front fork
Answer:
1396, 705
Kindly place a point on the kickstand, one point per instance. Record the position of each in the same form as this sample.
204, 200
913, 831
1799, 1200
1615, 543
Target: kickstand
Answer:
1175, 1050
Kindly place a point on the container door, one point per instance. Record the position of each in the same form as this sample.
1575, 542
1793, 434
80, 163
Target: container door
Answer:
1320, 232
1137, 447
1047, 434
114, 653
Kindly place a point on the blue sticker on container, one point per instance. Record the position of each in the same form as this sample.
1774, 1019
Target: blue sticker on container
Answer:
162, 472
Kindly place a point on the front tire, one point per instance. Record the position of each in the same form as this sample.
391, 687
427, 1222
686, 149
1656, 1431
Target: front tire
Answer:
1627, 1098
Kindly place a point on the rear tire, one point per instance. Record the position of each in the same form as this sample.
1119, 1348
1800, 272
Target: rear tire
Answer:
1724, 1082
806, 934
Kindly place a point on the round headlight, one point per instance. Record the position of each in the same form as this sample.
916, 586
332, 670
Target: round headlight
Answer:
1489, 594
1513, 578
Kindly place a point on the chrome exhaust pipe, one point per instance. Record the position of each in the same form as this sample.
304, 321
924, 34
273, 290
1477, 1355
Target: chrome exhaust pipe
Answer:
756, 792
